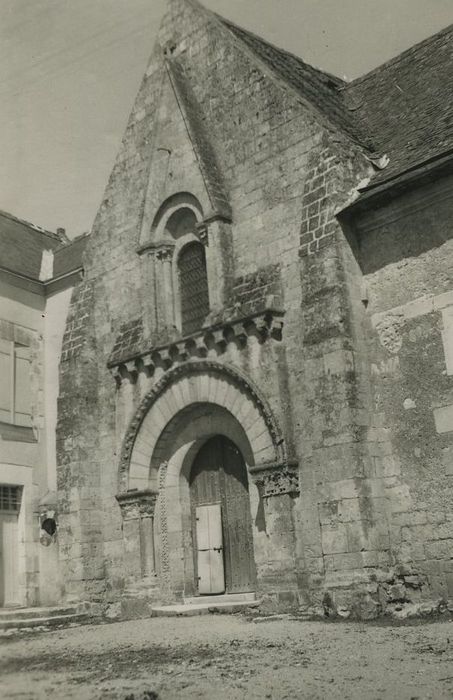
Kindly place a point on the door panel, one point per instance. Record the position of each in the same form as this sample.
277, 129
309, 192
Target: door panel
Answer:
219, 475
210, 550
8, 559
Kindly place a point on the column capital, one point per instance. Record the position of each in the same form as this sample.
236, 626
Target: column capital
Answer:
276, 478
137, 504
160, 249
164, 251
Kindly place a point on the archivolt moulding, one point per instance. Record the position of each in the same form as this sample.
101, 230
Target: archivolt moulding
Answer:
202, 367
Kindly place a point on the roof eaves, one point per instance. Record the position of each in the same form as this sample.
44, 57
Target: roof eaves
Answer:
23, 281
401, 181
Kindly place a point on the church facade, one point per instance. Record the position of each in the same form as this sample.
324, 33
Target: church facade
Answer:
255, 383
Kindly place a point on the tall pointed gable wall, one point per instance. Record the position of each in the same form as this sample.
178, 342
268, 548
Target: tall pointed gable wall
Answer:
213, 121
235, 93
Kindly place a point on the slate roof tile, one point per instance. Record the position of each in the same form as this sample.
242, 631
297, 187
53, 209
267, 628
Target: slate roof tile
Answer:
406, 104
403, 108
22, 245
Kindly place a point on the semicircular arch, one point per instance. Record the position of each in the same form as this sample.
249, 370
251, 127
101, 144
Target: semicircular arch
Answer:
169, 209
201, 382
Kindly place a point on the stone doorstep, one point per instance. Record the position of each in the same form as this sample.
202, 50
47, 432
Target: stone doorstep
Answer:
192, 609
33, 617
225, 598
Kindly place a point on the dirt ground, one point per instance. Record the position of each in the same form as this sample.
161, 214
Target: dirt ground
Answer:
230, 658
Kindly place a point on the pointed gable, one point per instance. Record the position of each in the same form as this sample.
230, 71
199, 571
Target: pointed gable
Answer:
321, 90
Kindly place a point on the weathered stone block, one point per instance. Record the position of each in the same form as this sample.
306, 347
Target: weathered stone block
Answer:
443, 418
334, 539
339, 562
442, 549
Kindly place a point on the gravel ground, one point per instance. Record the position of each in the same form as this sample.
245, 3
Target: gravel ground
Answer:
227, 657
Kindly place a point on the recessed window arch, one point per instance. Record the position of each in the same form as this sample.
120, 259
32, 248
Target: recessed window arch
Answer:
180, 223
181, 211
180, 265
193, 287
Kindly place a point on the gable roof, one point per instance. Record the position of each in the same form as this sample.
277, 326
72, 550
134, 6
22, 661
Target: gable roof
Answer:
403, 108
22, 245
406, 105
323, 90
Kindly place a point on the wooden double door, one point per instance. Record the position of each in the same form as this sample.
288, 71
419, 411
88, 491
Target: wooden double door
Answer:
221, 521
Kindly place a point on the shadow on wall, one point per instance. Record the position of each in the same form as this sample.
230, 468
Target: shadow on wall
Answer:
401, 227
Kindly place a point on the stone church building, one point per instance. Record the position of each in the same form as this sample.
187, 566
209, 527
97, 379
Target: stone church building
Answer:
256, 383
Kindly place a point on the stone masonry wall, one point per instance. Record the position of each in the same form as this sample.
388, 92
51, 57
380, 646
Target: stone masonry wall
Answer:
405, 251
285, 171
343, 523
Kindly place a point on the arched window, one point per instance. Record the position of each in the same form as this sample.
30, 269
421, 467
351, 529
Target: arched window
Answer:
193, 287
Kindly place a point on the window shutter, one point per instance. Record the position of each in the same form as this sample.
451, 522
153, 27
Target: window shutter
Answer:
5, 381
22, 390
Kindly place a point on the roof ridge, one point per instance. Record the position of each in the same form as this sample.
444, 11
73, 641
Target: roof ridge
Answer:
331, 76
399, 57
34, 227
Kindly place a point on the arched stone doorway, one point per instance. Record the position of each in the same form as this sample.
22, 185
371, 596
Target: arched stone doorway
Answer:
187, 408
221, 521
180, 459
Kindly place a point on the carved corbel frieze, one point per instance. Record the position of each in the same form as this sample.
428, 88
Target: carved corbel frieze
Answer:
240, 331
276, 479
137, 504
218, 336
200, 344
148, 361
267, 323
131, 369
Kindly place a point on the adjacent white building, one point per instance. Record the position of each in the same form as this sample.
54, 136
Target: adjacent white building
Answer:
38, 271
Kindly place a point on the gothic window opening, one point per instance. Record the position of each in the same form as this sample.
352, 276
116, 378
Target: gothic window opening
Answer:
193, 287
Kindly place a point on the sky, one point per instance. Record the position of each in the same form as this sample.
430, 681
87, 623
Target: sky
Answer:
70, 70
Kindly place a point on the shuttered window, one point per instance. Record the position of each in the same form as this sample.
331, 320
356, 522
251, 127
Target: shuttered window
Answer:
15, 398
193, 287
